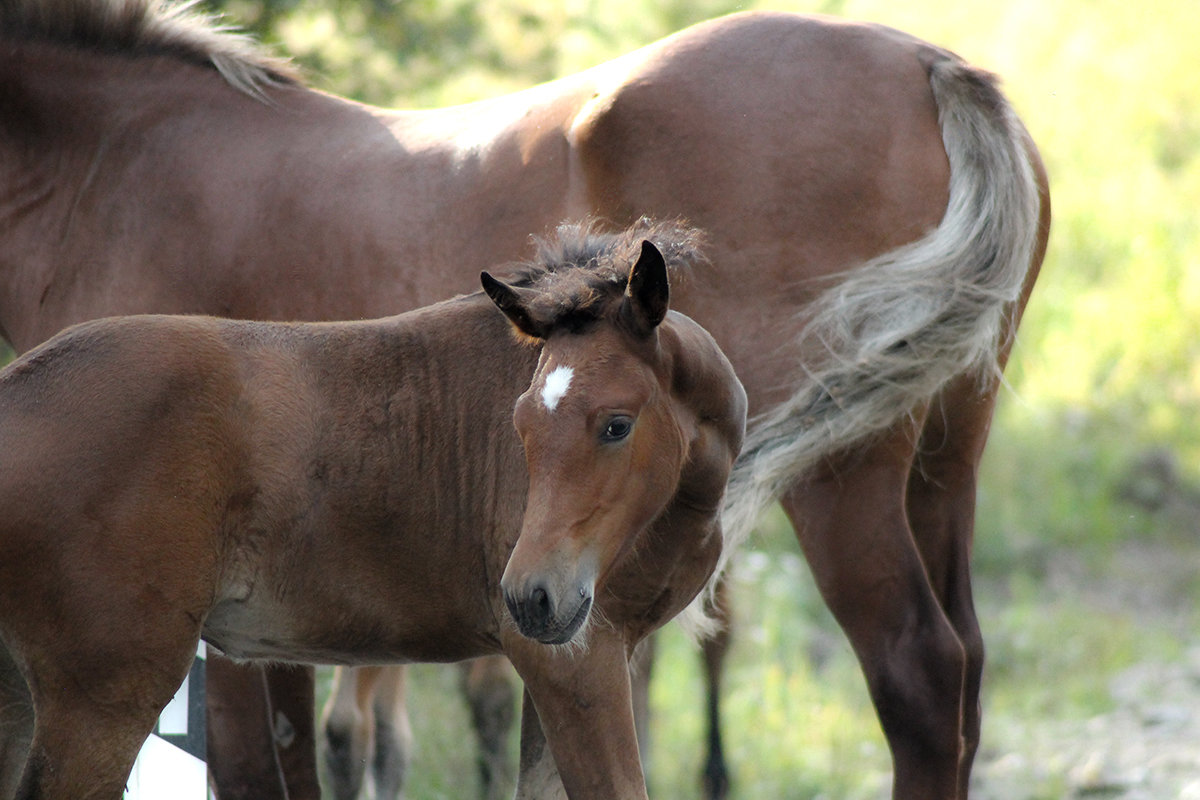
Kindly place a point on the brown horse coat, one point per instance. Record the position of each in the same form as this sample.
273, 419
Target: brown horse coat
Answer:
804, 147
355, 493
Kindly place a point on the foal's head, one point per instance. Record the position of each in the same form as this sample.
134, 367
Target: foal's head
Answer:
604, 439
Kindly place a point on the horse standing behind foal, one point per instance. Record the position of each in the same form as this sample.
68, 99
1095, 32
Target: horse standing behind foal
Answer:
876, 217
354, 493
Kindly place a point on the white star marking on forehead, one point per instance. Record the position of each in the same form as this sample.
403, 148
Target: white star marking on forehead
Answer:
556, 385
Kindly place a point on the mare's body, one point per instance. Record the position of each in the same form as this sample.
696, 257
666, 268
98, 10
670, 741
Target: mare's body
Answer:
803, 147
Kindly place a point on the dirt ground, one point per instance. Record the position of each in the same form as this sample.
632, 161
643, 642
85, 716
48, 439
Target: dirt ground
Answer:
1148, 746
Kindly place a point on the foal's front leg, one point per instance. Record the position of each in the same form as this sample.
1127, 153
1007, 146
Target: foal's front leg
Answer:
578, 718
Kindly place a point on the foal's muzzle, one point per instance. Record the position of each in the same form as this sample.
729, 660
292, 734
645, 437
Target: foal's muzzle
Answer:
542, 616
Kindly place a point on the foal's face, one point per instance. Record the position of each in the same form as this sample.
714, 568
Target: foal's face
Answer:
604, 453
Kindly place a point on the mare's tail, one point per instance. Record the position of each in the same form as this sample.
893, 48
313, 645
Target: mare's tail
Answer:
895, 330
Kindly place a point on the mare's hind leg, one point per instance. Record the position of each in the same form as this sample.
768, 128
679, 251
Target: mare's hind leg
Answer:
852, 525
16, 723
941, 508
491, 690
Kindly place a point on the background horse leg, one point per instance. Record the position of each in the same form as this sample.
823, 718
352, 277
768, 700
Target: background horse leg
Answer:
853, 529
715, 777
16, 723
349, 725
583, 697
393, 733
241, 749
941, 508
291, 697
491, 691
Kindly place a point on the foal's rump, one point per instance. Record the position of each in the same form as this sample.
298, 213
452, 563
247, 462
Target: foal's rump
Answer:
112, 435
110, 496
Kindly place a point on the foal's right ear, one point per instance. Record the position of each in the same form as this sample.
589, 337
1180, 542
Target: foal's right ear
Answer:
514, 302
647, 293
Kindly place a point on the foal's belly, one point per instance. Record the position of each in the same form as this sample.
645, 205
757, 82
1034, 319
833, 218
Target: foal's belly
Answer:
246, 630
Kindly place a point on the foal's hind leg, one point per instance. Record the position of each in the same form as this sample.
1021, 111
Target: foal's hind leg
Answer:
16, 723
95, 704
852, 526
291, 692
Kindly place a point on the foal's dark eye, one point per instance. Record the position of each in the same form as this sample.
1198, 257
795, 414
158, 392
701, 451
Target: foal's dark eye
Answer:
617, 429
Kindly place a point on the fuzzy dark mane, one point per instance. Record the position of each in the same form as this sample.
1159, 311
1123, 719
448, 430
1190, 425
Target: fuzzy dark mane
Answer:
582, 269
147, 27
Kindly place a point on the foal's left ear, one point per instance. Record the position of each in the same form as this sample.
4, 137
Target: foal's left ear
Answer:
513, 301
647, 295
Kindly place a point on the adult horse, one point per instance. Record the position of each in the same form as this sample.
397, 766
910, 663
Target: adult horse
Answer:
852, 180
354, 493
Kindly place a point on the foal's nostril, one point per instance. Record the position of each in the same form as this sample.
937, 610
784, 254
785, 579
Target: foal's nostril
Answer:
532, 612
540, 601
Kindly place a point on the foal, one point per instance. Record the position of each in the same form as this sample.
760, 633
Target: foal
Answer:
355, 493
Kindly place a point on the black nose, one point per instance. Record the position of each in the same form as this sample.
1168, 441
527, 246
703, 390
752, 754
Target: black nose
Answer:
531, 611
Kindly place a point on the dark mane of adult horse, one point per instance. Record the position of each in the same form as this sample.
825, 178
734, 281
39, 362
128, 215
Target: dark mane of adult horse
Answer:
136, 178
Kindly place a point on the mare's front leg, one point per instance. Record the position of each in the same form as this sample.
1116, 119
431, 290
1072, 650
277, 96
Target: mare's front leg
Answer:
577, 720
853, 528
